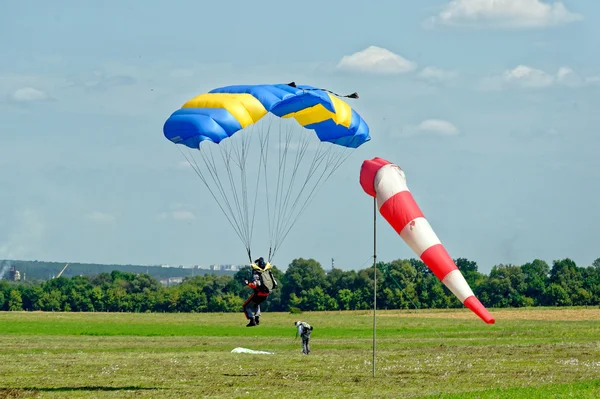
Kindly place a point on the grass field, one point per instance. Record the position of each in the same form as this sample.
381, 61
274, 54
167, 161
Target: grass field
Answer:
528, 353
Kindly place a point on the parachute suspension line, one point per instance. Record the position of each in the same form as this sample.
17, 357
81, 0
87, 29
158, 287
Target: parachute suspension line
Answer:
227, 159
332, 163
280, 170
282, 216
292, 192
262, 158
213, 169
340, 160
264, 150
214, 173
196, 169
282, 157
241, 154
311, 171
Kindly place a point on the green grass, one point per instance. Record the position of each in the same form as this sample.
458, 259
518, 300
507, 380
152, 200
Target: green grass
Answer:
528, 353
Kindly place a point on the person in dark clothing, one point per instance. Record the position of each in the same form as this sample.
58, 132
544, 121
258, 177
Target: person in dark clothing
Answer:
304, 329
262, 283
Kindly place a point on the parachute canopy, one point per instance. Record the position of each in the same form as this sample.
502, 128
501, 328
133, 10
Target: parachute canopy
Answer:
317, 132
222, 112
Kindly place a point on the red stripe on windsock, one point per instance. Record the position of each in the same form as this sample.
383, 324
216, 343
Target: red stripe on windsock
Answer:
438, 260
400, 210
368, 170
480, 310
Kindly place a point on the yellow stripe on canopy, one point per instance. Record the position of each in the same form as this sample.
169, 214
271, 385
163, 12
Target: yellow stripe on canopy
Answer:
342, 110
318, 113
244, 107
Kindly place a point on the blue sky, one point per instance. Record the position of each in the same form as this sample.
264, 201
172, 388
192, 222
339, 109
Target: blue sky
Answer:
490, 108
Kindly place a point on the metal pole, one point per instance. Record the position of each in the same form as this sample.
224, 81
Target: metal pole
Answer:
374, 278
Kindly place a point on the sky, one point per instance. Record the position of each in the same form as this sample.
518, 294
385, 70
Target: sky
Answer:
488, 106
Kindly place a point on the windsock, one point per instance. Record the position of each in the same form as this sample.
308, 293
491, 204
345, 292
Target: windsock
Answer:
387, 183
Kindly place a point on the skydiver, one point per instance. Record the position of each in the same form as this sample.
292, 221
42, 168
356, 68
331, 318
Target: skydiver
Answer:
261, 284
304, 329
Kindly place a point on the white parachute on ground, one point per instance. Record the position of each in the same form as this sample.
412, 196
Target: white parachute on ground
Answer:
246, 350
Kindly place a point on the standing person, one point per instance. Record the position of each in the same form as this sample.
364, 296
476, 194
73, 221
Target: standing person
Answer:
263, 284
304, 329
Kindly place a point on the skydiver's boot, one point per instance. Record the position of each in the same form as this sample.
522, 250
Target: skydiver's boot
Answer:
256, 318
252, 322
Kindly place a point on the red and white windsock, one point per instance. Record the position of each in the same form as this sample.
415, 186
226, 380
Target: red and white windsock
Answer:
387, 183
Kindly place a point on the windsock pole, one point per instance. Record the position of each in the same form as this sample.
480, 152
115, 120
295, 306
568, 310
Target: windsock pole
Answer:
374, 279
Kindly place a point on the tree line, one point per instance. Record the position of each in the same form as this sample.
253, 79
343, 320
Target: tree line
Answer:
305, 286
45, 270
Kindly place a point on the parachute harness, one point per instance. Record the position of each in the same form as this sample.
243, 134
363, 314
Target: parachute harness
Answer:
293, 190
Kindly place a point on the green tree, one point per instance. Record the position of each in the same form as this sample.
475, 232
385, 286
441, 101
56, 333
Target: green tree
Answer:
565, 273
556, 295
536, 279
14, 301
192, 299
302, 275
317, 299
345, 299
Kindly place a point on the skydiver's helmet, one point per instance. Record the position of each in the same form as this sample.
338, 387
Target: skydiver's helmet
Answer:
260, 262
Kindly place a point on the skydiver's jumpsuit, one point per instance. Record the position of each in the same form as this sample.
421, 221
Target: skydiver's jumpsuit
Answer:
304, 329
255, 299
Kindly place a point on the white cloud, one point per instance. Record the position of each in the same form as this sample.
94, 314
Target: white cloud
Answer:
533, 78
528, 77
101, 217
568, 77
29, 94
376, 60
434, 74
431, 126
505, 14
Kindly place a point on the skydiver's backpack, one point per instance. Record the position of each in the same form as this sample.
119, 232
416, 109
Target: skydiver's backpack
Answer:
267, 282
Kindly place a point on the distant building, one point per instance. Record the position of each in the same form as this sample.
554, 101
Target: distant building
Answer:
14, 274
232, 268
167, 282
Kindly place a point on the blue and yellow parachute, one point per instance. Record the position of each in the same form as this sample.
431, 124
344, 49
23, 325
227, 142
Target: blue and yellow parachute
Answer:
222, 112
221, 120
